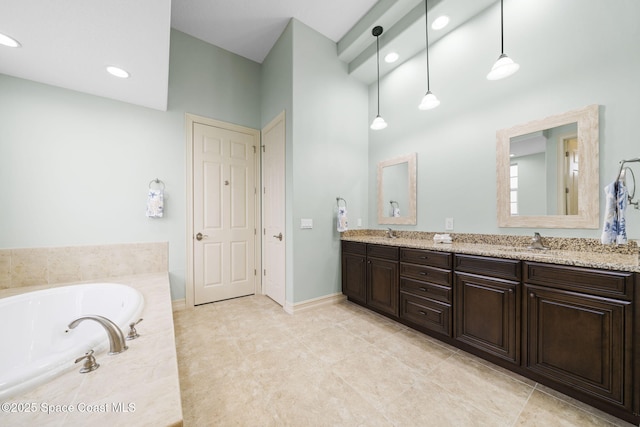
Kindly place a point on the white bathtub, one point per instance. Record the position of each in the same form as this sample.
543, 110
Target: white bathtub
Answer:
35, 344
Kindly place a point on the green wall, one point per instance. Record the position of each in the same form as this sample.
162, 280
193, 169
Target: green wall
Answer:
326, 153
75, 168
572, 54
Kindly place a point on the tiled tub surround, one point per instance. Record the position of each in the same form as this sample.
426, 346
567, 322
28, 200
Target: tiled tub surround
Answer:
135, 388
566, 251
68, 264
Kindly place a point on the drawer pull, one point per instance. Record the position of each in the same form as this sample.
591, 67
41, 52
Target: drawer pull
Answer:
424, 257
422, 312
423, 289
424, 273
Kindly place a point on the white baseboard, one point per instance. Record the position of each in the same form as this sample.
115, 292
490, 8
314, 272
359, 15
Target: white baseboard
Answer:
178, 304
292, 308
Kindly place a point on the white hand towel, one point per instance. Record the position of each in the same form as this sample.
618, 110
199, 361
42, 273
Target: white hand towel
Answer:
155, 204
343, 224
396, 212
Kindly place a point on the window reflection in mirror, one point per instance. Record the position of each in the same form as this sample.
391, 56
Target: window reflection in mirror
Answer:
397, 190
544, 172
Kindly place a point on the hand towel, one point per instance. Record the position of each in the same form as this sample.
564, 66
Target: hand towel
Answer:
396, 212
614, 229
155, 203
343, 224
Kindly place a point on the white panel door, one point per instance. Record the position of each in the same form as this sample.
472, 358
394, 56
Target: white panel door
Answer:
224, 197
273, 205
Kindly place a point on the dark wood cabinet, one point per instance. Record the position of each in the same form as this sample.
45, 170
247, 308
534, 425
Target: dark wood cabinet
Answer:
570, 328
425, 289
580, 340
370, 275
487, 305
382, 278
354, 276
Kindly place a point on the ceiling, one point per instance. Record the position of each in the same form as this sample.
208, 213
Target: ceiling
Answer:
68, 43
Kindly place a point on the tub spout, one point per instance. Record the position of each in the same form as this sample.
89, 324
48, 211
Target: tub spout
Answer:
116, 337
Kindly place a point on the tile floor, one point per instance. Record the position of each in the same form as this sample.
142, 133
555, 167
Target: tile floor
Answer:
245, 362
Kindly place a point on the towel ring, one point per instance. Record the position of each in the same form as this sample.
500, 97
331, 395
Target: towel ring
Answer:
338, 201
391, 202
157, 181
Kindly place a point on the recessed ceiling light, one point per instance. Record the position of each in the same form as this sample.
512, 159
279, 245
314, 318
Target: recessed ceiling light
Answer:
118, 72
440, 22
391, 57
8, 41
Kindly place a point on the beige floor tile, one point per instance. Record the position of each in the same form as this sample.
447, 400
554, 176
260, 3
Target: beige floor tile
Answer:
544, 410
245, 362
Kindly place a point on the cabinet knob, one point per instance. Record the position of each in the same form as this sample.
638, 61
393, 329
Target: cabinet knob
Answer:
510, 291
532, 295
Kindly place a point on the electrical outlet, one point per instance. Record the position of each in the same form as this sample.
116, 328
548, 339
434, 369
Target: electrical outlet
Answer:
448, 224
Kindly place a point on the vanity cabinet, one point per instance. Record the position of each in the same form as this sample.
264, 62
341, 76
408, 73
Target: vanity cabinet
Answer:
570, 328
425, 289
382, 278
354, 271
487, 305
578, 330
370, 275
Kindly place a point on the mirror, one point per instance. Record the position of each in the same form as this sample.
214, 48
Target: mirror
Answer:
397, 190
547, 172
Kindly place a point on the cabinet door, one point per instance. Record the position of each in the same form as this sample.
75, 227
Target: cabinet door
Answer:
487, 315
382, 285
579, 340
354, 277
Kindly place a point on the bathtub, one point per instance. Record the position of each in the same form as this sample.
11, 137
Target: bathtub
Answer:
36, 343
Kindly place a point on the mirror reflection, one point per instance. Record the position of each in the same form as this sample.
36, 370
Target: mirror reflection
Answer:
548, 172
397, 190
544, 171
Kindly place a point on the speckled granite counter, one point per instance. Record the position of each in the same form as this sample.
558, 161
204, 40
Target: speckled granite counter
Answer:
139, 387
567, 251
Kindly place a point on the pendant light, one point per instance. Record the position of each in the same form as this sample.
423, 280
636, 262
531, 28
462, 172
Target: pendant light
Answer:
429, 100
504, 66
378, 122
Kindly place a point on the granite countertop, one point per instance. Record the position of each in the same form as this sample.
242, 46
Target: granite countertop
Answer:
565, 251
136, 388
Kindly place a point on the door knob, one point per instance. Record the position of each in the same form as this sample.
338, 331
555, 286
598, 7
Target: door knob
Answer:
279, 236
201, 236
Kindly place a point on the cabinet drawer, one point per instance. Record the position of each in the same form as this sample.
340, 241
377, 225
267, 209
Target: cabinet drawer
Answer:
380, 251
495, 267
354, 247
423, 257
429, 314
428, 290
613, 284
428, 274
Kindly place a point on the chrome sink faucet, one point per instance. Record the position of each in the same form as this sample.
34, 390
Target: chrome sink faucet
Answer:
390, 233
116, 337
537, 242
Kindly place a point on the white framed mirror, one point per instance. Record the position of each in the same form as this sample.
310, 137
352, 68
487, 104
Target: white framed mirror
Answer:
548, 172
397, 190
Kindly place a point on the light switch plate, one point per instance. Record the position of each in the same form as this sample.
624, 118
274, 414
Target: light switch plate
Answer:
306, 223
448, 224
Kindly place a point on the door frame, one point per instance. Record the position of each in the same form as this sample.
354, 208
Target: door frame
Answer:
190, 119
